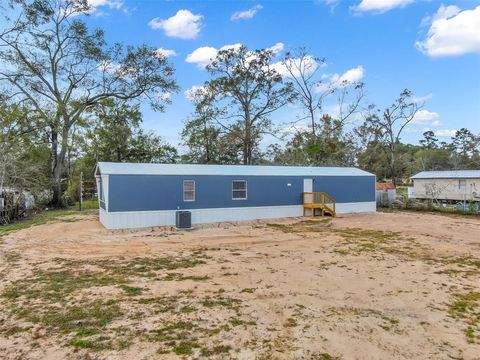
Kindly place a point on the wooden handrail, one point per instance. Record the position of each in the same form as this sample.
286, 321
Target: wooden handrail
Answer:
319, 200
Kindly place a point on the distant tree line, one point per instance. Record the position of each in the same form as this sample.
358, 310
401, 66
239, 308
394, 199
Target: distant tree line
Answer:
70, 99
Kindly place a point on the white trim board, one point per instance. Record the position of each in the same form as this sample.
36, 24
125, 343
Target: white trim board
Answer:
140, 219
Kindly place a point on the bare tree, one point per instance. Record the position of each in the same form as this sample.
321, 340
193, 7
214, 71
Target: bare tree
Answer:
51, 62
390, 124
303, 70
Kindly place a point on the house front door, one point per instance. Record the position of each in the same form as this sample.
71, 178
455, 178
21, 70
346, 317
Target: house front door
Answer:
307, 185
307, 188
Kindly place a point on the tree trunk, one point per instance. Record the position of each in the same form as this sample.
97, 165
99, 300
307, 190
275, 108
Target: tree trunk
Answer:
247, 141
58, 161
57, 200
312, 119
245, 154
393, 164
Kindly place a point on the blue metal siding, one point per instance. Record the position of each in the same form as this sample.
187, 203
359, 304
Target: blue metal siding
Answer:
158, 192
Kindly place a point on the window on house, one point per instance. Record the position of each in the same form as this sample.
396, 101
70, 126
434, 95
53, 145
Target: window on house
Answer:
100, 190
239, 190
101, 194
462, 184
188, 190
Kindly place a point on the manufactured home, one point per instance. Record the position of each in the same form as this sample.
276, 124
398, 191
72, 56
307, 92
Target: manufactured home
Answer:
144, 195
449, 186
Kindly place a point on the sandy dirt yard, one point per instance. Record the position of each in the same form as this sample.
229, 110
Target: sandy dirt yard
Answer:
366, 286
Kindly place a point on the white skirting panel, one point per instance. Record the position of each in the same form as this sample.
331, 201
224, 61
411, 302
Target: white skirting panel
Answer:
139, 219
103, 215
346, 208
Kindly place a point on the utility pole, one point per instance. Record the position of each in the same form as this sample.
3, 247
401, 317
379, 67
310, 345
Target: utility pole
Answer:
80, 203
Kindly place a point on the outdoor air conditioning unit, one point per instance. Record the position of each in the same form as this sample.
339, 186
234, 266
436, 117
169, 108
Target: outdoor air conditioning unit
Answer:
183, 219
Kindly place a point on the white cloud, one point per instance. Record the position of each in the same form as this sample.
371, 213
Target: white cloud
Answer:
452, 32
202, 56
307, 66
352, 76
445, 132
380, 6
426, 117
165, 52
112, 4
97, 7
183, 25
421, 99
335, 81
442, 13
108, 66
235, 47
247, 14
164, 96
277, 48
331, 3
195, 90
205, 55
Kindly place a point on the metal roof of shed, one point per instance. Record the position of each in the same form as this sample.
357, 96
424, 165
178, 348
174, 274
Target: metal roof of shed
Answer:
455, 174
110, 168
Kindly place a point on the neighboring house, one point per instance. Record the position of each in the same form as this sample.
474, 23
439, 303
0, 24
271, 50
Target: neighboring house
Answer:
143, 195
450, 186
14, 203
385, 193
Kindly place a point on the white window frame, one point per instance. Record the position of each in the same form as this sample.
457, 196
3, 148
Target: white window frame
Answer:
194, 191
462, 184
101, 193
246, 190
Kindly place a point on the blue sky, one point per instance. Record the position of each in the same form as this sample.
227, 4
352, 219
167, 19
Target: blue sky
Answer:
429, 47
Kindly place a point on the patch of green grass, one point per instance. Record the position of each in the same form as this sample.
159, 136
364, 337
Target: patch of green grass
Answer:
82, 319
50, 297
470, 334
465, 304
185, 348
291, 322
181, 277
141, 266
176, 336
57, 285
467, 308
221, 301
187, 309
463, 262
286, 228
39, 219
97, 344
248, 290
160, 304
86, 321
91, 204
216, 350
302, 226
326, 356
15, 330
131, 290
236, 321
322, 221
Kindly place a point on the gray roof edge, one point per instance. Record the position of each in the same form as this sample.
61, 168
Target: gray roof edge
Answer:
447, 174
113, 168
